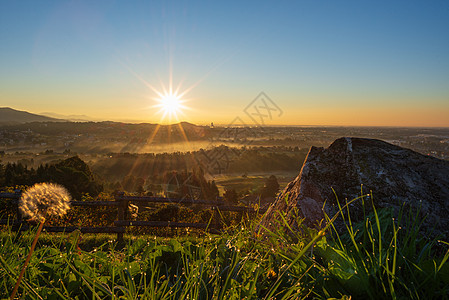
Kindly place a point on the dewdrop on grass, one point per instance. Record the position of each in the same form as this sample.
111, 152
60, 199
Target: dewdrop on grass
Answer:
43, 200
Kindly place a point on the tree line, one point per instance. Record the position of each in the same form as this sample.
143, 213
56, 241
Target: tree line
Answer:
73, 173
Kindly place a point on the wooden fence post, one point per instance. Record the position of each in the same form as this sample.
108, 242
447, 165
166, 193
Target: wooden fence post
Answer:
120, 213
18, 222
18, 213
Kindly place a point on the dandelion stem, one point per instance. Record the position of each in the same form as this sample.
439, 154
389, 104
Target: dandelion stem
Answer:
33, 245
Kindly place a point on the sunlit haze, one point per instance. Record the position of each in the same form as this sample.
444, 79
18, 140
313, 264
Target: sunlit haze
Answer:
320, 62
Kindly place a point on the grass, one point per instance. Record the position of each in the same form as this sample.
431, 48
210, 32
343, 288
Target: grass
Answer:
380, 258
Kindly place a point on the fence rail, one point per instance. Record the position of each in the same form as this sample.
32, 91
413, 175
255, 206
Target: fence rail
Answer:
121, 202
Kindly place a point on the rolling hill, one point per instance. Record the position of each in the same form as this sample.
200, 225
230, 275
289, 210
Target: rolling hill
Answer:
12, 116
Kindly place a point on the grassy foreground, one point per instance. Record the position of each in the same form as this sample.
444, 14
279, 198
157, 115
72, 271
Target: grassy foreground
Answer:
380, 258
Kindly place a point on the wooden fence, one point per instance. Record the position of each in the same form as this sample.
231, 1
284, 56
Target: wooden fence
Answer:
121, 202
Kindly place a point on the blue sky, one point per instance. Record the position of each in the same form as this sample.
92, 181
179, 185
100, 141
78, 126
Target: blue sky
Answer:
322, 62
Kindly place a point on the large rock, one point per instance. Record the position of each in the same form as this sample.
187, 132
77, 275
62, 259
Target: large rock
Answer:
396, 176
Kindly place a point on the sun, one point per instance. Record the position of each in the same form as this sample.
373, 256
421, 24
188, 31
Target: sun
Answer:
170, 105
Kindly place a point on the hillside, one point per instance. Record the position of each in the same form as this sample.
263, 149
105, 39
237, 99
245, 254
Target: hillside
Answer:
12, 116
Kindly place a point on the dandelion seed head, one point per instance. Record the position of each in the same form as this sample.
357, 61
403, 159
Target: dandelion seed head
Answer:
43, 200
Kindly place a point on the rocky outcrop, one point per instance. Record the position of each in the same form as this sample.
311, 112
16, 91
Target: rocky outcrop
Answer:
396, 176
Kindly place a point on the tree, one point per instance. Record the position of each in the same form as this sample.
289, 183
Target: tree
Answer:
138, 187
271, 187
129, 182
9, 175
75, 175
212, 191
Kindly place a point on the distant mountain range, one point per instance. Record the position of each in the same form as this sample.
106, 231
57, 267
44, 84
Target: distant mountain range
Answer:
12, 116
71, 118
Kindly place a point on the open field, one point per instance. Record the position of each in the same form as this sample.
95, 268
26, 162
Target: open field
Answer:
252, 181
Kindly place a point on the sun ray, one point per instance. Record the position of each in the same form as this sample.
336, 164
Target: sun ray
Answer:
183, 133
146, 83
153, 135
